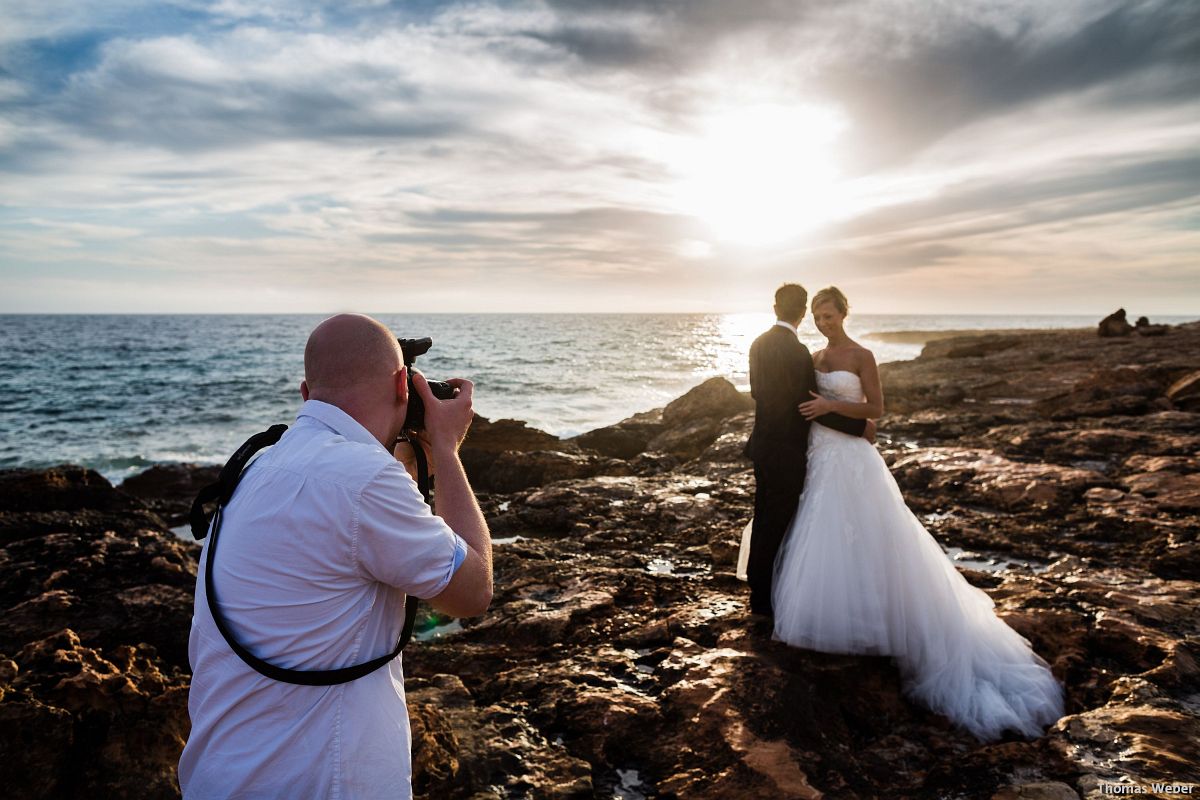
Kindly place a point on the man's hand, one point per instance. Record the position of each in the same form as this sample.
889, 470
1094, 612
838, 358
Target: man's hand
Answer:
869, 433
817, 407
407, 456
446, 421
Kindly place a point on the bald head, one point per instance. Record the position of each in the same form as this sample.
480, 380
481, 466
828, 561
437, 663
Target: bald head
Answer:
350, 353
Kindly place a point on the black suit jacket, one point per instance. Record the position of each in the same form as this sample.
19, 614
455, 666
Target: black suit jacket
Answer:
781, 377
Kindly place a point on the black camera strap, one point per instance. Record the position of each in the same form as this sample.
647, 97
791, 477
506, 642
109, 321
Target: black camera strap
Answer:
222, 492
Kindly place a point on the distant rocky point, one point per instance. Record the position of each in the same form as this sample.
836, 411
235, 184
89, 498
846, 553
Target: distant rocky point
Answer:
1115, 324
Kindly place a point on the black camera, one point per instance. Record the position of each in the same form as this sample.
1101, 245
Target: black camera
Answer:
414, 420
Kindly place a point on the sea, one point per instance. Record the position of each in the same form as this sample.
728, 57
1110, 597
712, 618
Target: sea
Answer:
119, 393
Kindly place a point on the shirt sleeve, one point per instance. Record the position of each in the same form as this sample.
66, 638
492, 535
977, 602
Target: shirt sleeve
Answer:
401, 542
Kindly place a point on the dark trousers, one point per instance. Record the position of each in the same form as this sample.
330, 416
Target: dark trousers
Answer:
778, 483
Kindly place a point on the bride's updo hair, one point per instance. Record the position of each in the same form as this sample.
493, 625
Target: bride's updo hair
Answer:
834, 295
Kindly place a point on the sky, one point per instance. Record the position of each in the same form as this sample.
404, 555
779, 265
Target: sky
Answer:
572, 156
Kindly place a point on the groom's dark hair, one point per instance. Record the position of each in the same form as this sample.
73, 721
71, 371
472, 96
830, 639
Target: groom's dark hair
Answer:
791, 300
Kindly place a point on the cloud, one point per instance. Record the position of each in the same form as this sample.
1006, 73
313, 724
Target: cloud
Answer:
534, 146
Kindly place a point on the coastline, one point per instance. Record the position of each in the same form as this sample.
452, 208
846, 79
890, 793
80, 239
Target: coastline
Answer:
1059, 467
923, 337
166, 389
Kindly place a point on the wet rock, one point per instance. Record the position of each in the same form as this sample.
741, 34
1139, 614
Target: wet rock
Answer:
724, 545
1185, 392
693, 422
716, 397
1152, 743
951, 395
1117, 391
168, 489
970, 346
987, 478
1170, 491
1143, 327
65, 488
626, 439
462, 749
77, 720
512, 471
1115, 324
688, 439
487, 440
96, 600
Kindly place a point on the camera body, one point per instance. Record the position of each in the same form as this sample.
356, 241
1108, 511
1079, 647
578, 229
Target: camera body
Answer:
414, 420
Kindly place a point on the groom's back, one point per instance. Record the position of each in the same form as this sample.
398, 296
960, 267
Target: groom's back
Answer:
778, 363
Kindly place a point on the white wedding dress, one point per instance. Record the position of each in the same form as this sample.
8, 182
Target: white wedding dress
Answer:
858, 573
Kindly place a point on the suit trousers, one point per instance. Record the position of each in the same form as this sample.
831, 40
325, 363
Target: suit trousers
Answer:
778, 483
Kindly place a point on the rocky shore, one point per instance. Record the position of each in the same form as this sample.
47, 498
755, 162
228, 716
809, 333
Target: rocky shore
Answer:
1061, 469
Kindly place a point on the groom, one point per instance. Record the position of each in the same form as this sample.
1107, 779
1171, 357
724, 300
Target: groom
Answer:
781, 377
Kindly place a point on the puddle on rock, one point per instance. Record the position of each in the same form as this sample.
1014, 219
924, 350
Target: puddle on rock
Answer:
991, 562
628, 785
660, 566
509, 540
437, 632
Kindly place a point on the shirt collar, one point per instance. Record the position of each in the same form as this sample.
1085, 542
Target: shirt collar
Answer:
787, 325
338, 421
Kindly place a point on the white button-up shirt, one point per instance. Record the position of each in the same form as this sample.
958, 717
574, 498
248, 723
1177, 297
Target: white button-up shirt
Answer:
784, 324
319, 545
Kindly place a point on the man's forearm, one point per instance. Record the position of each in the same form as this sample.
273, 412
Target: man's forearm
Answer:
455, 503
837, 422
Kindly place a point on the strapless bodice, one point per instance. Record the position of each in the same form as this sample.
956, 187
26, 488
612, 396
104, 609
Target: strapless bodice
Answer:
840, 384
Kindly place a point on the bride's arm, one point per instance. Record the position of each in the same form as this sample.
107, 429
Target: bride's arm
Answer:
808, 382
872, 389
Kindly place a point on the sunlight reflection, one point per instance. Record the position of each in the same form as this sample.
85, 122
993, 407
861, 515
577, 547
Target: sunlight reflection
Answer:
735, 334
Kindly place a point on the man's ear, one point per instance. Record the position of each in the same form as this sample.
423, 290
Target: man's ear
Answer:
304, 390
402, 385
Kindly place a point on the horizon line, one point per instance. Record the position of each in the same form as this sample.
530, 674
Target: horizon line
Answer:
1083, 315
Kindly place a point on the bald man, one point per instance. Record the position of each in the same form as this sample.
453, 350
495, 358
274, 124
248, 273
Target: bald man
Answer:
324, 538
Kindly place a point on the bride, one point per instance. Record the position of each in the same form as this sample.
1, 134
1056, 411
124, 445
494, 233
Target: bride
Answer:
858, 573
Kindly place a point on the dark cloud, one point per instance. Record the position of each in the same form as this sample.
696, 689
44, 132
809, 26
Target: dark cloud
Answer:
147, 102
597, 46
996, 206
905, 100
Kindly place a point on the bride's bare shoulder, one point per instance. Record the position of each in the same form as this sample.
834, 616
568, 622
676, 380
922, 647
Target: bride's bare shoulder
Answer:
863, 357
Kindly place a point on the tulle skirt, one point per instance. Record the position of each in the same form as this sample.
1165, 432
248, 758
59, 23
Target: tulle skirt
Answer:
858, 573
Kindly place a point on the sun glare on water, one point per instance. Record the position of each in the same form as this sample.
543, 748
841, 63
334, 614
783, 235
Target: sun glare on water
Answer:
762, 174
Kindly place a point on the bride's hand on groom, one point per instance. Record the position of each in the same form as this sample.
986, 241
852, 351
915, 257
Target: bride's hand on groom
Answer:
817, 407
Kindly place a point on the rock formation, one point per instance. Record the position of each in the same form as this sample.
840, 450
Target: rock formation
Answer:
1115, 324
618, 659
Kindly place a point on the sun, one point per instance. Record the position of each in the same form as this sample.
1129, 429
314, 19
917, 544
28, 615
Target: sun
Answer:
762, 174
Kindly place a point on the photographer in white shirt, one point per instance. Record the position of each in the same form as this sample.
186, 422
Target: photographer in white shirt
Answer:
325, 536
